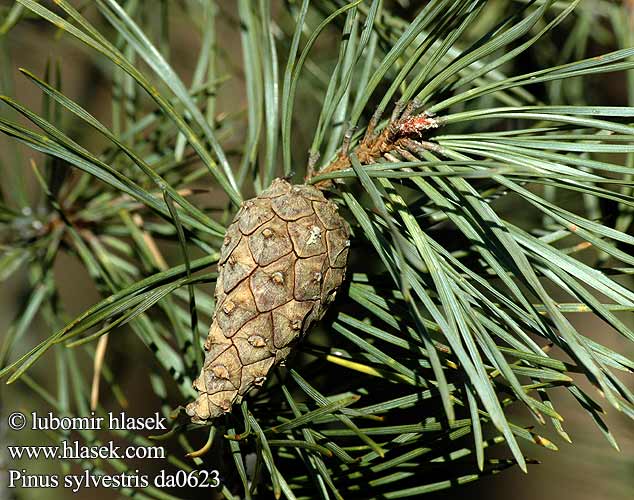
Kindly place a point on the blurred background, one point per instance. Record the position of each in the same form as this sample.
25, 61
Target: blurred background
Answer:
589, 470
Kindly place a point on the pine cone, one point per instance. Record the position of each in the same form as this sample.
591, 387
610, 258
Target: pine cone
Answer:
282, 260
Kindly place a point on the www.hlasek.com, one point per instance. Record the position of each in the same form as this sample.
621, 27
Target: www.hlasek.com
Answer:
74, 451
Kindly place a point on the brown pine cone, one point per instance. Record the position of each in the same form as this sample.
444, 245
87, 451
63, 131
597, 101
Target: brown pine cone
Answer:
282, 260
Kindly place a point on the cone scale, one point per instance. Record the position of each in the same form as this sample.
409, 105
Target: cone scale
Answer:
282, 260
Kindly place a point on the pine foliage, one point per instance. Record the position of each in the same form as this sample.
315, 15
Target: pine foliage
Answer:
474, 244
